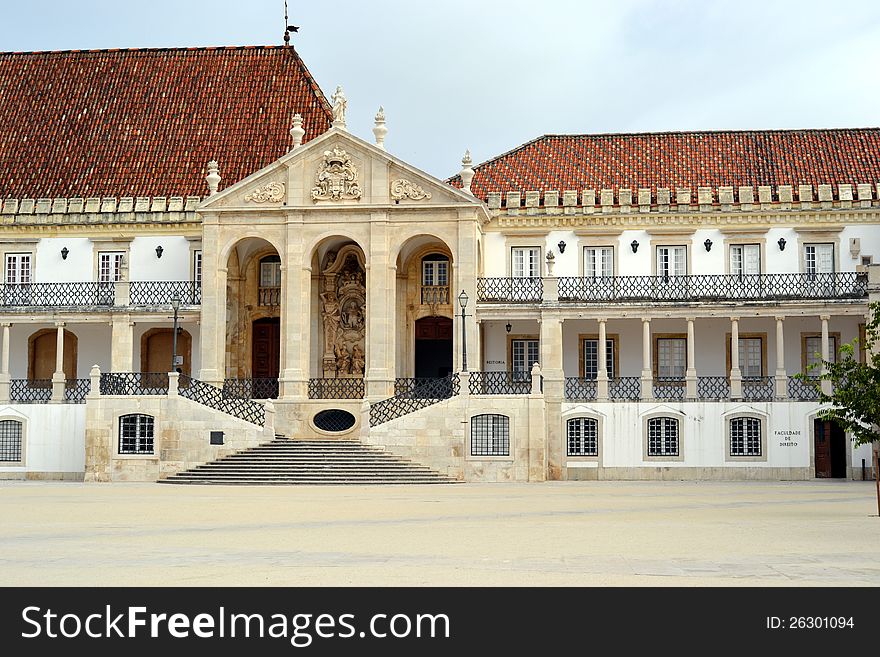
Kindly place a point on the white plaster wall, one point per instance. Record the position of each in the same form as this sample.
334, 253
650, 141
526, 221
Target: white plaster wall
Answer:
174, 265
54, 437
869, 237
93, 347
50, 268
494, 255
495, 342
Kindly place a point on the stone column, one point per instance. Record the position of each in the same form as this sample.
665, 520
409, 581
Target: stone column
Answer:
826, 353
691, 373
122, 344
4, 365
550, 345
381, 311
735, 372
538, 424
781, 376
58, 377
213, 326
296, 314
602, 374
647, 368
465, 266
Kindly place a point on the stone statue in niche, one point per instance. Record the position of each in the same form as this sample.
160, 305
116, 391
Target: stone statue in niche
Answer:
343, 313
358, 361
330, 317
343, 360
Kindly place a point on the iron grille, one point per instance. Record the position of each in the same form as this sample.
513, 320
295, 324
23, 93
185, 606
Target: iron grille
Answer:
490, 435
580, 389
758, 388
212, 397
500, 383
804, 388
583, 436
259, 388
334, 420
345, 388
663, 436
669, 387
625, 387
713, 387
510, 290
136, 434
58, 295
269, 296
435, 295
134, 383
745, 436
76, 390
160, 293
30, 391
430, 392
10, 441
714, 287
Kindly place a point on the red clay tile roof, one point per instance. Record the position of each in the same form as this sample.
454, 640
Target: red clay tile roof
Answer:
145, 122
684, 160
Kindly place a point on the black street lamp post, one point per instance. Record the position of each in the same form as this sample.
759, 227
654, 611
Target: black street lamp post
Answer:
462, 300
175, 303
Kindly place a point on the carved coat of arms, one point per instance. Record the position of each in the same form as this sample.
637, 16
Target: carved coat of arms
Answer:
337, 178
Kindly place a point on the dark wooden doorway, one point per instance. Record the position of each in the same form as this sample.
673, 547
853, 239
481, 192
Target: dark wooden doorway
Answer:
266, 347
433, 347
829, 441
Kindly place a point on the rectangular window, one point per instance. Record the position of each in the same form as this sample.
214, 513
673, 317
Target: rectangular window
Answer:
813, 352
490, 435
197, 267
110, 266
270, 273
671, 357
745, 259
819, 258
583, 437
745, 436
523, 354
671, 260
10, 441
591, 357
525, 262
18, 268
751, 357
598, 261
136, 434
435, 272
663, 436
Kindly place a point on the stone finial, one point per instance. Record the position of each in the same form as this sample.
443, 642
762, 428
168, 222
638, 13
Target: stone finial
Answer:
297, 131
551, 260
340, 104
379, 129
467, 173
213, 177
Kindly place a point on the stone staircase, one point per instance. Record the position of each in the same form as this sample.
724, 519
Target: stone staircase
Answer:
315, 462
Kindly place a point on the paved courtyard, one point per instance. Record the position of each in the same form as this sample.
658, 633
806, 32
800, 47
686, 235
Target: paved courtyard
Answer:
573, 533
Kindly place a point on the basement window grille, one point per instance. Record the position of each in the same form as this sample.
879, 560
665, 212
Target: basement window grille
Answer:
10, 441
490, 435
136, 434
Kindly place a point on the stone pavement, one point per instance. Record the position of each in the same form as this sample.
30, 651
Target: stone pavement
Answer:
822, 533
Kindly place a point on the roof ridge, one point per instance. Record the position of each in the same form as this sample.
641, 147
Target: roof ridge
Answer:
729, 131
144, 49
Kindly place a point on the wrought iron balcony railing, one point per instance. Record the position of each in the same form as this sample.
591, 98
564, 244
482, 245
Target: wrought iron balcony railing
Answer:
134, 383
413, 397
714, 287
250, 388
580, 389
91, 294
500, 383
510, 290
269, 296
30, 391
625, 387
213, 397
758, 388
345, 388
159, 293
76, 390
669, 387
803, 390
713, 387
435, 295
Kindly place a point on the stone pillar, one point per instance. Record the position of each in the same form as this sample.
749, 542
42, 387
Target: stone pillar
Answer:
647, 368
122, 344
296, 314
4, 365
173, 384
538, 429
691, 373
781, 376
554, 393
826, 354
735, 372
213, 326
58, 377
95, 380
381, 311
269, 423
551, 289
465, 267
602, 374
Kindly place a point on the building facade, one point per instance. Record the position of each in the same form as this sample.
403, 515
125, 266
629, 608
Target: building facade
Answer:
225, 258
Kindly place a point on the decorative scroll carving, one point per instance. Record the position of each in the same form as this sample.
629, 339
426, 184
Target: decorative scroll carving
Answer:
402, 188
272, 193
337, 178
343, 313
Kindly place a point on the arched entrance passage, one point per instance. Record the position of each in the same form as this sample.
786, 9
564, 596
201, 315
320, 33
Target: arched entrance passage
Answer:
433, 352
829, 442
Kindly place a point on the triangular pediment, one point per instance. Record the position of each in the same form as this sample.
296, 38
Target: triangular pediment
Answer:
338, 169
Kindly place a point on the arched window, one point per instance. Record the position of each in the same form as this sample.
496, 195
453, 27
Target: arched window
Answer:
663, 435
745, 436
136, 434
10, 441
583, 436
490, 435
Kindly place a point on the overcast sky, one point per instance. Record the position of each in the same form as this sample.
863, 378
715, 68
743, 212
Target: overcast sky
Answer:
491, 74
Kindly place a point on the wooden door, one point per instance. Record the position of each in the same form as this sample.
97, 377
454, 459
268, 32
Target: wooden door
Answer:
822, 443
41, 356
156, 348
433, 357
266, 348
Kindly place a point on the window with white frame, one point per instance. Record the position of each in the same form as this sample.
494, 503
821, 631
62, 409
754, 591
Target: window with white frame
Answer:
10, 441
197, 267
598, 261
583, 436
490, 435
525, 261
663, 436
435, 270
110, 266
745, 259
136, 434
270, 271
813, 352
18, 268
819, 258
671, 261
591, 357
751, 357
745, 436
671, 357
523, 353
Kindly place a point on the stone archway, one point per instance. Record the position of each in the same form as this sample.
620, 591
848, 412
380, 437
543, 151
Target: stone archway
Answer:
343, 294
41, 354
156, 348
